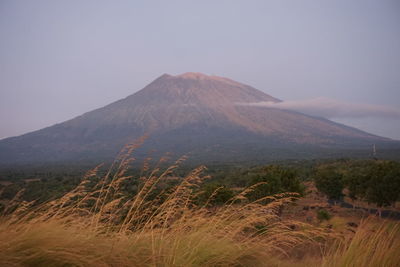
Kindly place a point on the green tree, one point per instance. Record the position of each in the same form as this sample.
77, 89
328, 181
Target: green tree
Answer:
356, 180
214, 194
277, 180
329, 181
383, 183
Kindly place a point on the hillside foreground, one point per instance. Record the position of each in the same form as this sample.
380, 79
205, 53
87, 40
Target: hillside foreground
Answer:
169, 222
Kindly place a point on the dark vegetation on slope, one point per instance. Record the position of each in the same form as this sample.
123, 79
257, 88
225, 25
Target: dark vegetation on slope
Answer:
373, 181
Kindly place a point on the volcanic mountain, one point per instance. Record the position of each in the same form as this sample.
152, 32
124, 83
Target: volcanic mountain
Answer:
209, 117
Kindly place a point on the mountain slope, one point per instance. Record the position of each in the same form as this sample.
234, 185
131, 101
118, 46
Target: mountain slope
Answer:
186, 113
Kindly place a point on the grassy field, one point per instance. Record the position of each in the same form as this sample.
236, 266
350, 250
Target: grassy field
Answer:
164, 224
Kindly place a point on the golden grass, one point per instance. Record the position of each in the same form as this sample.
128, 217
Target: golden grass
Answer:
97, 224
375, 243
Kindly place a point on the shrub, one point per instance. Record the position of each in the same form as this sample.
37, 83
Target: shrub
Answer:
329, 181
274, 179
323, 215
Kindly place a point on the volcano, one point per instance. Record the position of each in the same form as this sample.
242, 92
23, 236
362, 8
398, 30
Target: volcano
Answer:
204, 116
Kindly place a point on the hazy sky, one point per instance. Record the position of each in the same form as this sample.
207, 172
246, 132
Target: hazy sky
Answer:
59, 59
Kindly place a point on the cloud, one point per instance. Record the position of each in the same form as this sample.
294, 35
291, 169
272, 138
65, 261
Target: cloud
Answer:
332, 108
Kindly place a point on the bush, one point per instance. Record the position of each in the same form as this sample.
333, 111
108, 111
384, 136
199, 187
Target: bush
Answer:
275, 179
214, 194
323, 215
329, 181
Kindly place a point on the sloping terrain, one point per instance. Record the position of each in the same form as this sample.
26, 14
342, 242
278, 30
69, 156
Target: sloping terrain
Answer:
203, 115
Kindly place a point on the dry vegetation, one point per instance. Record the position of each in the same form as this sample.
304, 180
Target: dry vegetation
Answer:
96, 224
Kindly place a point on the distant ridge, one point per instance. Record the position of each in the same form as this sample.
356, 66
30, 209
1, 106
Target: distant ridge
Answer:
189, 113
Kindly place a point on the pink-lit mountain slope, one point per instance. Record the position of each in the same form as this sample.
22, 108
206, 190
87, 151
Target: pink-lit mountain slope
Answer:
203, 115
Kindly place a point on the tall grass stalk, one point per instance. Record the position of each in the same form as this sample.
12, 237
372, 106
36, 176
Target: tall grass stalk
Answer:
98, 224
376, 243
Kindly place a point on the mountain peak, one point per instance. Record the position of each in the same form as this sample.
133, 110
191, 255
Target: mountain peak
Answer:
188, 76
196, 88
193, 75
201, 77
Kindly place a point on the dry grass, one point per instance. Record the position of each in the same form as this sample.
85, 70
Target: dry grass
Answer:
376, 243
97, 224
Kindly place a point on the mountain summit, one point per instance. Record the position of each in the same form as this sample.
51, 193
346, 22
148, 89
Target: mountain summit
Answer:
207, 116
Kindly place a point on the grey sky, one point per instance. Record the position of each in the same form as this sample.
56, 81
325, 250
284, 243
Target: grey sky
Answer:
59, 59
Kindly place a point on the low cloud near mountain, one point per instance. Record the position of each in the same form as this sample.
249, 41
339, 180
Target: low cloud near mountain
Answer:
332, 108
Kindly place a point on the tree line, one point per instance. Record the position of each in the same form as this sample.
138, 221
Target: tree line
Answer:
373, 181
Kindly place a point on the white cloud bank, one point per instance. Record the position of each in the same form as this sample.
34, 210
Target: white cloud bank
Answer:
331, 108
